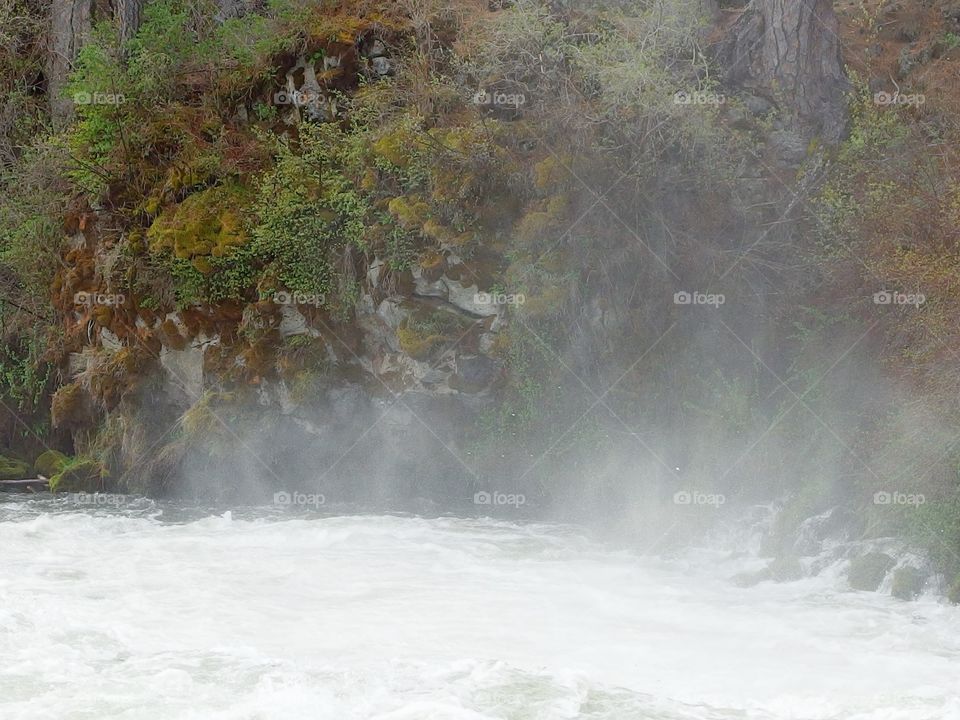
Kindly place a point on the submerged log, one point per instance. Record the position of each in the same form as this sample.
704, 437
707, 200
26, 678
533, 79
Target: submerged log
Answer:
39, 484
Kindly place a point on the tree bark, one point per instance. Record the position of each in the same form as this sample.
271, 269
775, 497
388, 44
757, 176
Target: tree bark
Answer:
129, 14
70, 24
790, 51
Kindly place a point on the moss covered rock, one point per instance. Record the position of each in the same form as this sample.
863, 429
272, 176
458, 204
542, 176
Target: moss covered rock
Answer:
207, 223
953, 594
907, 583
13, 469
867, 572
785, 569
49, 463
81, 475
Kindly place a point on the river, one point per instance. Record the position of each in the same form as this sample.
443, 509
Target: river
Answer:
149, 612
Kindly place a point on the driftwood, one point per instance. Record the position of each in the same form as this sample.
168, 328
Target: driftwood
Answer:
39, 484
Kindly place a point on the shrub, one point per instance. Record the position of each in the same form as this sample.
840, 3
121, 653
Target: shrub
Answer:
79, 475
13, 469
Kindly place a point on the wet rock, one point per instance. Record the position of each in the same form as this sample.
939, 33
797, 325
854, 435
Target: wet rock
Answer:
374, 271
868, 571
381, 66
953, 594
293, 322
467, 298
813, 532
184, 373
109, 341
392, 313
783, 569
907, 583
474, 374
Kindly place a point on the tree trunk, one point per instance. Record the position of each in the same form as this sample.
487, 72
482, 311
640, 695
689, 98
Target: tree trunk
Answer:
70, 23
789, 50
128, 14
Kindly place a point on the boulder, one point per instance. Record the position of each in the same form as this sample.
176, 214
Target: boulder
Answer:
907, 583
868, 571
49, 463
953, 594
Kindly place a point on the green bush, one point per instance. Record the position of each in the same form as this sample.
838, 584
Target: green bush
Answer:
307, 210
80, 475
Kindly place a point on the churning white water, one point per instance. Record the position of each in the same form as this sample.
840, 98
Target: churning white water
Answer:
127, 615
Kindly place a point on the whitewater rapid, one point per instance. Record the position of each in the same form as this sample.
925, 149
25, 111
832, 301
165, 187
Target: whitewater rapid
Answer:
137, 613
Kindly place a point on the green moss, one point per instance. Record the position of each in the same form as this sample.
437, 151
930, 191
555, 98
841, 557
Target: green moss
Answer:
867, 572
50, 462
415, 342
411, 212
67, 405
208, 223
80, 475
13, 469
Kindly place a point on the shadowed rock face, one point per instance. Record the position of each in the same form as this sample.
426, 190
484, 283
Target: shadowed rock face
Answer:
789, 50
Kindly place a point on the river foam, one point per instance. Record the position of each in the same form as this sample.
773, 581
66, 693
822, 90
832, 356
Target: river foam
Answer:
119, 614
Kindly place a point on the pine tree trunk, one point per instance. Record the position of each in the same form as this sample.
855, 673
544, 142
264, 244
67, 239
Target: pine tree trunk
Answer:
129, 15
70, 24
790, 51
